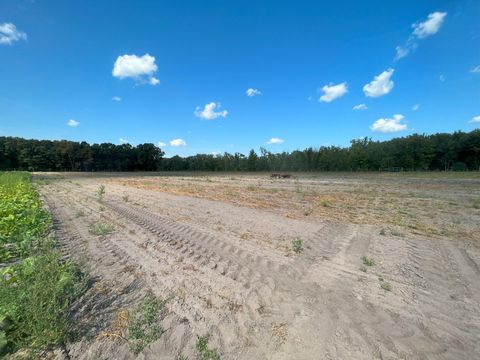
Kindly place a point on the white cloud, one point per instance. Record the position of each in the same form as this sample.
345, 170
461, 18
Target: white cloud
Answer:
475, 70
253, 92
475, 119
380, 85
139, 68
415, 107
9, 34
178, 142
161, 144
123, 141
360, 107
73, 123
274, 141
420, 31
430, 26
332, 92
209, 113
389, 125
441, 78
401, 51
117, 98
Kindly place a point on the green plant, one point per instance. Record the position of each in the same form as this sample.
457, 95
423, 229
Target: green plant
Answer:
143, 327
368, 261
204, 351
325, 203
297, 245
251, 188
100, 193
386, 286
101, 229
125, 197
363, 268
37, 291
79, 213
181, 357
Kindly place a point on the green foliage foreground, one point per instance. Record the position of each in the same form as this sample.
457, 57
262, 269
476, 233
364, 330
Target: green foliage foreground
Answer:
36, 289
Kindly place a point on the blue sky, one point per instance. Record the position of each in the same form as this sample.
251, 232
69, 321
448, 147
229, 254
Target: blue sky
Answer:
182, 70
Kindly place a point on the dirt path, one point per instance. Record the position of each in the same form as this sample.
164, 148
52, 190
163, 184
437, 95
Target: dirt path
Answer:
229, 272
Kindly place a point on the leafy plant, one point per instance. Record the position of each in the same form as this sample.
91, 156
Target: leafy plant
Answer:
386, 286
100, 193
101, 229
205, 352
143, 328
35, 292
297, 245
368, 261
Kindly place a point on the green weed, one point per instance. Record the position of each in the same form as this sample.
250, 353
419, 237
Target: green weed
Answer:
368, 261
297, 245
100, 193
143, 327
386, 286
101, 229
204, 351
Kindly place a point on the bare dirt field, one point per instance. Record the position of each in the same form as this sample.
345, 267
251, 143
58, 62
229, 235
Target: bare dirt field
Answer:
389, 266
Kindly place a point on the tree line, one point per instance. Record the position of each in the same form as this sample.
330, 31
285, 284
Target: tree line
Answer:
417, 152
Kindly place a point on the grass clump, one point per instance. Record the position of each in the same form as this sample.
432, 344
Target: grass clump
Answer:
100, 193
125, 197
80, 213
386, 286
297, 245
101, 229
368, 261
204, 351
143, 327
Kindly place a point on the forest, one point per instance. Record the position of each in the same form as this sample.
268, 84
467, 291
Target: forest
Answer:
458, 151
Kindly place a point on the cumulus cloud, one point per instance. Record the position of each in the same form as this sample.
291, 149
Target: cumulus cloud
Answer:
391, 125
178, 142
475, 119
380, 85
209, 113
332, 92
117, 98
161, 144
360, 107
415, 107
274, 141
430, 26
123, 141
421, 30
73, 123
9, 34
475, 70
139, 68
253, 92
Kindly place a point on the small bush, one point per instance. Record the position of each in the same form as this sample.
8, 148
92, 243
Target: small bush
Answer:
125, 197
297, 245
100, 193
363, 268
79, 213
386, 286
143, 327
101, 229
368, 261
204, 351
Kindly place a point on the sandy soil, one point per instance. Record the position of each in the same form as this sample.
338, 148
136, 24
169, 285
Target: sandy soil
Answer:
220, 250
